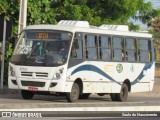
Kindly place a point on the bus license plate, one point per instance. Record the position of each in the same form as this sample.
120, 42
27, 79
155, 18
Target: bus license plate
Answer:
32, 89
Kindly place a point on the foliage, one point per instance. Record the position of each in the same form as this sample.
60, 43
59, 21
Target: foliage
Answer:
99, 12
10, 9
9, 50
8, 53
133, 27
40, 12
144, 11
155, 24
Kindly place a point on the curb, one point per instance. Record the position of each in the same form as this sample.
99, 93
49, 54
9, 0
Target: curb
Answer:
6, 90
115, 108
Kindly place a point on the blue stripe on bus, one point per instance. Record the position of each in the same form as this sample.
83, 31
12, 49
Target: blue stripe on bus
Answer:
140, 76
97, 70
94, 69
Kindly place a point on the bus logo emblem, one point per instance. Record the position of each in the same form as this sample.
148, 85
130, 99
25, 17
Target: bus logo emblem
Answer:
119, 68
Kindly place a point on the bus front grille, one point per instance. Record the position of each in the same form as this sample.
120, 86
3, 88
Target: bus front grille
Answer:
26, 73
40, 74
34, 74
32, 83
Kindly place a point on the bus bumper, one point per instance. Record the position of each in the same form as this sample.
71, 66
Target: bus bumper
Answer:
39, 84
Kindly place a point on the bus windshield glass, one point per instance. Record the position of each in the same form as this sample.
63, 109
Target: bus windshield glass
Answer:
42, 48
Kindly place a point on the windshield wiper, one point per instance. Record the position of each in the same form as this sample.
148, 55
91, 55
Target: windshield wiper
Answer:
28, 56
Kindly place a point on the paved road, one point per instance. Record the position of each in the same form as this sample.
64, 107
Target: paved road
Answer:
41, 100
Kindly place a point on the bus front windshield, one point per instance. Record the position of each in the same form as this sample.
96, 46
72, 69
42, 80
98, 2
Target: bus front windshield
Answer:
42, 48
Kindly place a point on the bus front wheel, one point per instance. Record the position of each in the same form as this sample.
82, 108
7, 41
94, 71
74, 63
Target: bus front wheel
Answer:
27, 94
74, 94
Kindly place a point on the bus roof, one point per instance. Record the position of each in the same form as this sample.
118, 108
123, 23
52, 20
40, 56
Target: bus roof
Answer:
83, 26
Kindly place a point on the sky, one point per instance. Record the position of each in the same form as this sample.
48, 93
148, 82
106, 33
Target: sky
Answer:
156, 3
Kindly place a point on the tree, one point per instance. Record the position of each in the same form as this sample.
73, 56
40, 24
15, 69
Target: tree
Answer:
40, 12
155, 24
10, 9
99, 12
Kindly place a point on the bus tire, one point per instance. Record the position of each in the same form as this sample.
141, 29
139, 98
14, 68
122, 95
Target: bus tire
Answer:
113, 96
84, 96
101, 94
74, 94
123, 95
27, 94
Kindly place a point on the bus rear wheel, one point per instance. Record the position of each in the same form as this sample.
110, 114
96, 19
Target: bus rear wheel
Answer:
27, 94
74, 94
114, 96
122, 96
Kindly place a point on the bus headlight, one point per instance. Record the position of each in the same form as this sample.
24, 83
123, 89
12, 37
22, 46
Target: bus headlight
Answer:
58, 74
12, 72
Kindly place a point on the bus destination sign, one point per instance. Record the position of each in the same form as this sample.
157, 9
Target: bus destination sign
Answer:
41, 35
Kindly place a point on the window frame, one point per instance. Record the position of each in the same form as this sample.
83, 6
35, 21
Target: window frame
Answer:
135, 48
124, 49
108, 48
86, 47
149, 50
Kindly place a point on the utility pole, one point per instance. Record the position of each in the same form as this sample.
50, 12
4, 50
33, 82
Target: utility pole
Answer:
22, 15
3, 52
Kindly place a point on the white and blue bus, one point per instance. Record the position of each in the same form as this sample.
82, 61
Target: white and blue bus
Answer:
75, 59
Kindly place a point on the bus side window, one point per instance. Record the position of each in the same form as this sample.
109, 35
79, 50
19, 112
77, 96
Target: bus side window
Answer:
130, 49
118, 47
91, 47
143, 50
105, 47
